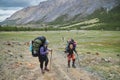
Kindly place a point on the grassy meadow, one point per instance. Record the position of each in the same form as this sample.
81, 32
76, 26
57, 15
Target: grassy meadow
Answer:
99, 51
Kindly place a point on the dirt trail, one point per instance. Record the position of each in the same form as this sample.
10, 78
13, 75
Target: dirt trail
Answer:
20, 65
73, 73
34, 72
59, 70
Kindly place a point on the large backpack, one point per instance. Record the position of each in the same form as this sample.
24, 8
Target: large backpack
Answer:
36, 44
68, 44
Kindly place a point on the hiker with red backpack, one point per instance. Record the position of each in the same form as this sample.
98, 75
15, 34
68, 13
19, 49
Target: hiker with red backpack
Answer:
73, 42
70, 50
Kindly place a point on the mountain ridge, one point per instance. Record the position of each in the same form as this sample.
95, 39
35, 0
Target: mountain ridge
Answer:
50, 10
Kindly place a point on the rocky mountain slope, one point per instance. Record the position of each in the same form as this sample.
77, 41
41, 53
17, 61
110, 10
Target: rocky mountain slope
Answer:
50, 10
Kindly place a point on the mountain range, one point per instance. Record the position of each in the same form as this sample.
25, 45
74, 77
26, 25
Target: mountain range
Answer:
51, 10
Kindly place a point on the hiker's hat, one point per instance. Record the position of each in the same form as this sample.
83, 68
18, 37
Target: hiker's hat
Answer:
46, 42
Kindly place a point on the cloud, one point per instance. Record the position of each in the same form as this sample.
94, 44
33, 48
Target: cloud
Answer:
6, 13
8, 7
13, 3
19, 3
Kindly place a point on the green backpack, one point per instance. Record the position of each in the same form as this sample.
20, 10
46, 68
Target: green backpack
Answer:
36, 44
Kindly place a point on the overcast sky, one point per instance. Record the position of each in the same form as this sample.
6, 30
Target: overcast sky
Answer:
8, 7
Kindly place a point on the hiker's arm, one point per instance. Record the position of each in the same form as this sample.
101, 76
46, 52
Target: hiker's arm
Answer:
49, 49
75, 51
42, 51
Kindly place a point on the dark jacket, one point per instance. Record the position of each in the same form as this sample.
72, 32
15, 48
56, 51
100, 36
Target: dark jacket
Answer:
71, 51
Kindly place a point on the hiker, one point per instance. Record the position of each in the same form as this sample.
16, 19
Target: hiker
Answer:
43, 57
68, 43
70, 55
39, 48
70, 50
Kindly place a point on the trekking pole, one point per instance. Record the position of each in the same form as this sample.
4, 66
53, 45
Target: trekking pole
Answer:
66, 59
78, 59
51, 60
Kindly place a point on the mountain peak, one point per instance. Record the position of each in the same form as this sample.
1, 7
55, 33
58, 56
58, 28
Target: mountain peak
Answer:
50, 10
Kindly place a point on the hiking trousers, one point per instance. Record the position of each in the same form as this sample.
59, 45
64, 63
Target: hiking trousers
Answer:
71, 56
42, 59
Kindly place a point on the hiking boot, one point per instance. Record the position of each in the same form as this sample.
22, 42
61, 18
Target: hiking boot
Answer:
46, 69
68, 65
42, 71
73, 66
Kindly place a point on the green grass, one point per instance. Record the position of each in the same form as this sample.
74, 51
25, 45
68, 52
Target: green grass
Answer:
110, 20
106, 43
101, 41
105, 21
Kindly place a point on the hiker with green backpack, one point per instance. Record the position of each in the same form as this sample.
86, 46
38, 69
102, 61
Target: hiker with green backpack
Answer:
40, 49
43, 57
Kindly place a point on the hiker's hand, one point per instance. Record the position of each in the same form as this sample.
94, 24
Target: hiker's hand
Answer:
51, 51
47, 51
65, 51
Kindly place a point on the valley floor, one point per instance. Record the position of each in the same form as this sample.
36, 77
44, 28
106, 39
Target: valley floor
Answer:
99, 56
